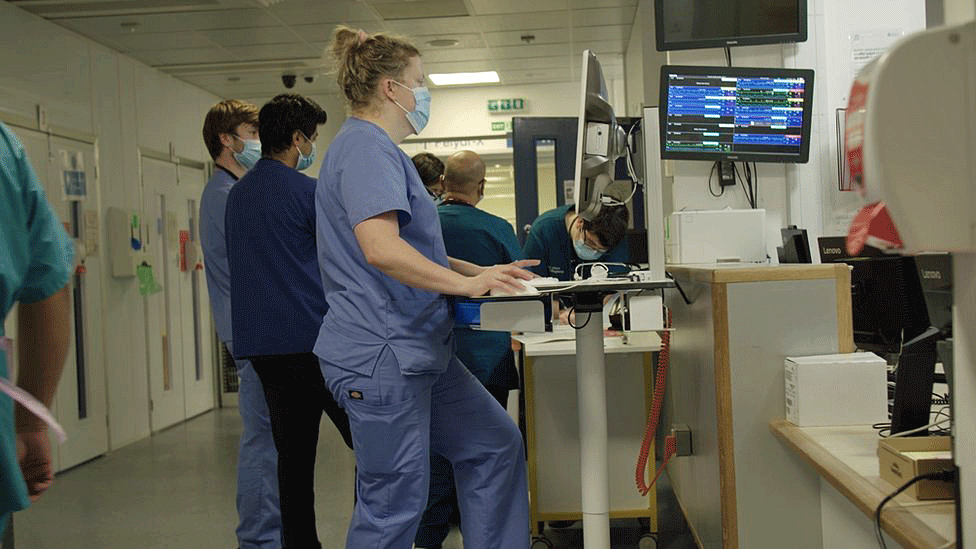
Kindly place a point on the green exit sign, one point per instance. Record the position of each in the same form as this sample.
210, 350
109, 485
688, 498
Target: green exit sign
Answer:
506, 105
501, 126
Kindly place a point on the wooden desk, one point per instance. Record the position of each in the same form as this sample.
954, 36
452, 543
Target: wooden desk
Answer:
552, 424
847, 458
741, 488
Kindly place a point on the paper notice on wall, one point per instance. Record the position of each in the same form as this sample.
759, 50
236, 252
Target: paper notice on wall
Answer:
73, 174
869, 44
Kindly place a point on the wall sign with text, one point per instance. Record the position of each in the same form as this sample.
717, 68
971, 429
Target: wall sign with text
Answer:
505, 105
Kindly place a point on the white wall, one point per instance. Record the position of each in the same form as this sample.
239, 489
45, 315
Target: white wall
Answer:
800, 194
126, 105
959, 11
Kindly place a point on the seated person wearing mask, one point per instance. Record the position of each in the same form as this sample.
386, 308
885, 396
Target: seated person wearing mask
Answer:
561, 240
481, 238
431, 171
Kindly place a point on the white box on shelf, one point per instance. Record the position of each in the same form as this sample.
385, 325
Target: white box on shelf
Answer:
715, 236
842, 389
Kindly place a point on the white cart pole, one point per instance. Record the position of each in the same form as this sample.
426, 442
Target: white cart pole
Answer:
592, 391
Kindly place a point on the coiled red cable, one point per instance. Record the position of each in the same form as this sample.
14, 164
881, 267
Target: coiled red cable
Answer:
652, 421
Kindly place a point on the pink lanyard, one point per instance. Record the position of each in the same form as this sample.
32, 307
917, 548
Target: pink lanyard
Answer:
24, 398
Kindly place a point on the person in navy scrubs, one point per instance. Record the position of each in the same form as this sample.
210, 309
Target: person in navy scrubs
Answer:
277, 302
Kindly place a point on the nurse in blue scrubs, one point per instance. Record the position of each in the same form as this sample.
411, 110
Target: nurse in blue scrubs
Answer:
481, 238
386, 345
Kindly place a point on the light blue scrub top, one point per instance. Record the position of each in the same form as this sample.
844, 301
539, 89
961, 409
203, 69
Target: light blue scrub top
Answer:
364, 174
213, 205
36, 260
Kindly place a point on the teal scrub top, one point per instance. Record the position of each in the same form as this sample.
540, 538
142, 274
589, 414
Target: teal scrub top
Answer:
549, 242
484, 239
36, 259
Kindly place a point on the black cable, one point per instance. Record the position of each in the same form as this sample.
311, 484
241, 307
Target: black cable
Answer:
710, 191
728, 55
947, 475
745, 186
755, 183
569, 319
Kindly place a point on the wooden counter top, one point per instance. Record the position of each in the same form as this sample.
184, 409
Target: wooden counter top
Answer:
755, 272
847, 458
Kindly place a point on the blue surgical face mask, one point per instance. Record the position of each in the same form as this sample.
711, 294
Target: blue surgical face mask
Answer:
250, 154
305, 161
585, 252
420, 114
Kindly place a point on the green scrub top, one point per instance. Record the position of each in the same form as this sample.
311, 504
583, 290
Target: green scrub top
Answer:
549, 242
36, 260
484, 239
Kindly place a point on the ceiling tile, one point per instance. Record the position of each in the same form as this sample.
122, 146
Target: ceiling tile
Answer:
184, 56
434, 55
251, 36
437, 25
489, 7
584, 4
288, 50
172, 22
322, 34
541, 36
530, 20
530, 50
162, 41
318, 12
621, 15
398, 9
532, 63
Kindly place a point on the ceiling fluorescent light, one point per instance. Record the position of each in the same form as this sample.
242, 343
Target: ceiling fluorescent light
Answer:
457, 78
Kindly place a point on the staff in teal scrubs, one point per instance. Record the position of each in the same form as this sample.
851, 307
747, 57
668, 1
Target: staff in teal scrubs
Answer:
561, 240
481, 238
35, 268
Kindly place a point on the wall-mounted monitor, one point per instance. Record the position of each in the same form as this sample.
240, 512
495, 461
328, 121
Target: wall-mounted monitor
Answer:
735, 113
692, 24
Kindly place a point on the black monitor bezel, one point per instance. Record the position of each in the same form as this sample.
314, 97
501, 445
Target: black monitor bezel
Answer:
744, 40
736, 72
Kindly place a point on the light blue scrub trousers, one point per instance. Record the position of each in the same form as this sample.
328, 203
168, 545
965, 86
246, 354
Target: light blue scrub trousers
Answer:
396, 420
258, 507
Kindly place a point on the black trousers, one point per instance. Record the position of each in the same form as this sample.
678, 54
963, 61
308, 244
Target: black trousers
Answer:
296, 395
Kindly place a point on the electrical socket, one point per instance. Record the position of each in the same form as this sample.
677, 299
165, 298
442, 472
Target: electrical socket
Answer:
682, 439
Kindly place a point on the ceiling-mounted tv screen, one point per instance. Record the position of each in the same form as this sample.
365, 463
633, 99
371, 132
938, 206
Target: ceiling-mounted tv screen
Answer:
691, 24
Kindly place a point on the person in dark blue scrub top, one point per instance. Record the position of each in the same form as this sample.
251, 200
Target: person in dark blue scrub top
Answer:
230, 132
277, 302
561, 240
481, 238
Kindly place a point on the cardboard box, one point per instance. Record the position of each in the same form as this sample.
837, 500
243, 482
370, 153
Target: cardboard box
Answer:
841, 389
903, 458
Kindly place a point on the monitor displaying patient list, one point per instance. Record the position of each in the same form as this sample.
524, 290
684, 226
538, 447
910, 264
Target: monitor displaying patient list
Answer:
735, 113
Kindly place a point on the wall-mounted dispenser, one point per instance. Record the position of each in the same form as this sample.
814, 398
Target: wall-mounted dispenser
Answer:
125, 242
